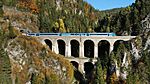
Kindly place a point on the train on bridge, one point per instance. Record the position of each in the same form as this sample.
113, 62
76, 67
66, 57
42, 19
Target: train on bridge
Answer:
71, 34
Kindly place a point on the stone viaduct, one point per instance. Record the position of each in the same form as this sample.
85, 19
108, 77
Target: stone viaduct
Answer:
78, 57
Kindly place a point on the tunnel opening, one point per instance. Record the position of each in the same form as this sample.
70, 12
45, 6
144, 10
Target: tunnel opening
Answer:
89, 49
103, 52
74, 48
116, 45
49, 43
61, 47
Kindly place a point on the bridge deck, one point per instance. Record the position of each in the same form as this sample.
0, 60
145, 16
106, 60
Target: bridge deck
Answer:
95, 37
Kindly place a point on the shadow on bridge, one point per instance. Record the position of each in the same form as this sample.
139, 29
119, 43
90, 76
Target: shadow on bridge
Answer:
49, 43
79, 76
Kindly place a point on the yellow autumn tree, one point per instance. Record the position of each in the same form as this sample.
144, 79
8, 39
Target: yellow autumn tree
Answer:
56, 26
61, 26
1, 9
90, 29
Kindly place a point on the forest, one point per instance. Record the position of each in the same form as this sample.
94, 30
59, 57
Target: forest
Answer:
79, 16
74, 16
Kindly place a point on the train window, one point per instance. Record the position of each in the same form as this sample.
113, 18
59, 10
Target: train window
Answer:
48, 34
31, 34
98, 34
37, 34
77, 34
43, 34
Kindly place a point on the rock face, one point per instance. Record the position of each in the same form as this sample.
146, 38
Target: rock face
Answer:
146, 24
23, 21
132, 63
147, 45
136, 47
32, 61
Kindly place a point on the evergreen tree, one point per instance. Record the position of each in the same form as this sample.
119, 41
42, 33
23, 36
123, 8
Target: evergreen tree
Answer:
99, 79
1, 9
118, 25
127, 24
132, 78
44, 22
11, 32
146, 59
5, 69
38, 78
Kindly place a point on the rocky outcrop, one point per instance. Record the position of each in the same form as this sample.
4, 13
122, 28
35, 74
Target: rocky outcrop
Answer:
131, 63
23, 21
31, 61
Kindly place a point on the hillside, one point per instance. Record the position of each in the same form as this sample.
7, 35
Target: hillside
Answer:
124, 21
79, 16
58, 15
24, 60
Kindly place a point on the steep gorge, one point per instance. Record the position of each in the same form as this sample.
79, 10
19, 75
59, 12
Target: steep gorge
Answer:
28, 61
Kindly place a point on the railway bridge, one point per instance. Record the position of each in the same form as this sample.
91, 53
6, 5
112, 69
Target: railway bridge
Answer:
83, 51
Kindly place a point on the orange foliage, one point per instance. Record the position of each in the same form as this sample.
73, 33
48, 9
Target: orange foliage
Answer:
65, 63
92, 16
114, 79
38, 62
15, 68
22, 76
18, 73
33, 46
28, 4
86, 8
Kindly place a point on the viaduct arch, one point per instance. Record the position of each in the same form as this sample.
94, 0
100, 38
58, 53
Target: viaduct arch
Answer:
83, 49
103, 48
74, 48
61, 46
75, 64
49, 43
89, 48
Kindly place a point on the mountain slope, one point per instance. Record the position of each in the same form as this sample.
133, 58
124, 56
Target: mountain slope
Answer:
28, 61
24, 59
61, 16
125, 21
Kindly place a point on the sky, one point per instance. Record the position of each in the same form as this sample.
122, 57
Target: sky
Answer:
109, 4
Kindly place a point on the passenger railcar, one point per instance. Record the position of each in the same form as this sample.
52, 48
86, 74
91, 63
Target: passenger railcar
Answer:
71, 34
